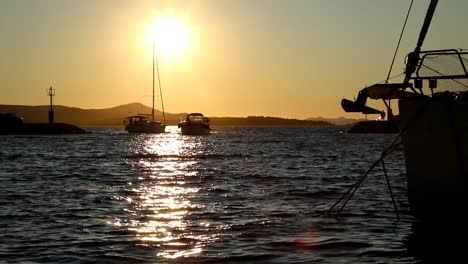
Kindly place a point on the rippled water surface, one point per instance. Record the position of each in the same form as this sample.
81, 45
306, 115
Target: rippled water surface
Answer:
239, 195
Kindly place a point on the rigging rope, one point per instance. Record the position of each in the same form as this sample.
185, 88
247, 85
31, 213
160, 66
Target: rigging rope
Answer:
399, 40
396, 143
441, 74
356, 185
392, 77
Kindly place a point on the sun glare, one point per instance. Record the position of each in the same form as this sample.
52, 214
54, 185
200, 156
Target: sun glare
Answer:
171, 37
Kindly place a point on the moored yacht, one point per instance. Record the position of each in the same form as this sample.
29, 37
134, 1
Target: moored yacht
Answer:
434, 131
433, 124
195, 124
141, 124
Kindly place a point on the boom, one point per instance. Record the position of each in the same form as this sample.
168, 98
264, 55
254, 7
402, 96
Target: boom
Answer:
393, 90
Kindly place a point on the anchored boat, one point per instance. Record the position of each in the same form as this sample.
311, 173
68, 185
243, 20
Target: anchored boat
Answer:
141, 123
433, 124
195, 124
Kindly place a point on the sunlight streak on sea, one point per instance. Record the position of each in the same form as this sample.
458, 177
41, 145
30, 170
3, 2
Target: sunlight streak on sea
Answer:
239, 195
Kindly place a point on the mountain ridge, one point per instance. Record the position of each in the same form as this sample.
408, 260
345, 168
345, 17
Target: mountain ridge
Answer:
114, 116
339, 121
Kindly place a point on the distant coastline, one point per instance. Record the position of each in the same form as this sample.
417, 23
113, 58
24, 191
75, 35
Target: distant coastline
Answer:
114, 116
264, 121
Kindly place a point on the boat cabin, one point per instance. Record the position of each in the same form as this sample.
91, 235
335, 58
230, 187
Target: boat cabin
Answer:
136, 119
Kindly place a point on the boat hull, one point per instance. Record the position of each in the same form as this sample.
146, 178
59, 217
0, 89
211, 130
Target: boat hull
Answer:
435, 139
375, 126
149, 128
194, 129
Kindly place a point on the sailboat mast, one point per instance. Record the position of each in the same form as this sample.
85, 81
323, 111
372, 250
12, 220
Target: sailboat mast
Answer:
152, 110
413, 58
160, 89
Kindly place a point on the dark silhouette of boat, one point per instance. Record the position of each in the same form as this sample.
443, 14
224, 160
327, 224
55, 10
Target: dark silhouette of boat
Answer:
10, 121
433, 124
195, 124
141, 123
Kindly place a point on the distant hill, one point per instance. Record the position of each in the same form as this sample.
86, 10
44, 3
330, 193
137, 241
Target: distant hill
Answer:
264, 121
340, 121
83, 117
114, 116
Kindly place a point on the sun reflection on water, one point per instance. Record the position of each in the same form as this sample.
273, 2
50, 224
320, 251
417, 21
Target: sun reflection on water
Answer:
159, 200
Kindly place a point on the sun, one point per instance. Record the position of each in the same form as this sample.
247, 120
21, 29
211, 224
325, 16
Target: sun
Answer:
171, 36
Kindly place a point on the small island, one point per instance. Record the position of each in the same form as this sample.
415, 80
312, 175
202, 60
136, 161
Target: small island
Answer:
11, 123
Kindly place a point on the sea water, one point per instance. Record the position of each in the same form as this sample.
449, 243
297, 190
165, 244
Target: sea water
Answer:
239, 195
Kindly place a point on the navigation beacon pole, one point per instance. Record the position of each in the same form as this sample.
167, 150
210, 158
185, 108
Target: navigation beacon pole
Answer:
51, 94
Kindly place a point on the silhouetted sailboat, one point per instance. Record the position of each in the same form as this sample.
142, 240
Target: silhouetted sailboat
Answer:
433, 126
141, 123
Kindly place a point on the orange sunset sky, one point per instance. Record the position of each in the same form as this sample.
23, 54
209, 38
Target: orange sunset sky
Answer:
293, 59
